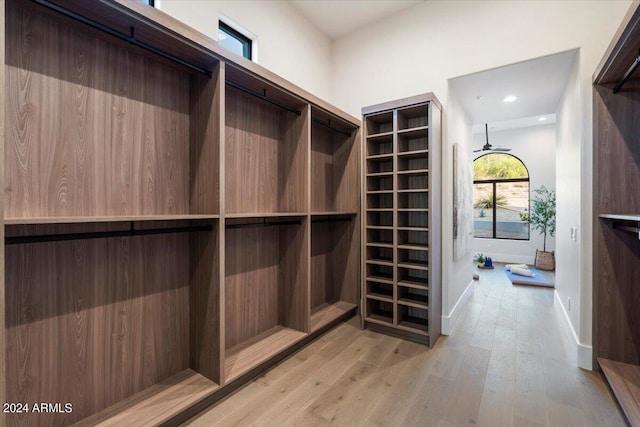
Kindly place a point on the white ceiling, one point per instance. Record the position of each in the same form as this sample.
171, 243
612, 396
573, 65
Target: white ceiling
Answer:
335, 18
538, 84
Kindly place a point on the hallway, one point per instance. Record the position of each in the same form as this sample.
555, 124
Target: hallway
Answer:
510, 361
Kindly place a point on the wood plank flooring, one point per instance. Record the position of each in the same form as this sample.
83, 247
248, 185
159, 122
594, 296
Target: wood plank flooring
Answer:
510, 361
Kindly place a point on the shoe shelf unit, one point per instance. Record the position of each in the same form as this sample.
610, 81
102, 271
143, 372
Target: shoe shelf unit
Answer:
176, 219
616, 216
401, 282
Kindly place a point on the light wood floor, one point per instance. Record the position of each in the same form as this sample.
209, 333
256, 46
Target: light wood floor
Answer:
510, 361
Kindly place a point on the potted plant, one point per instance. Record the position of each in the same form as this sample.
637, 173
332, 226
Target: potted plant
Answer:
542, 217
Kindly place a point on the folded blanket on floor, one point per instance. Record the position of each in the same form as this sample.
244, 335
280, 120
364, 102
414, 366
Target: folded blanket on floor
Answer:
521, 271
510, 266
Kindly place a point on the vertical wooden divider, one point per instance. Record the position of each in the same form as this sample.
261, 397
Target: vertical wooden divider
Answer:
308, 187
395, 217
220, 103
2, 142
206, 292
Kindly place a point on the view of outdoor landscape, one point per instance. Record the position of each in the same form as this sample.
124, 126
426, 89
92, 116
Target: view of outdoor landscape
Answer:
508, 201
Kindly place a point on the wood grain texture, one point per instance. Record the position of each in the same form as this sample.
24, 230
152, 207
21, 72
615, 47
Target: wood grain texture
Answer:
3, 111
156, 404
265, 281
414, 230
265, 156
335, 262
616, 333
89, 118
205, 304
624, 380
327, 313
106, 315
205, 141
334, 170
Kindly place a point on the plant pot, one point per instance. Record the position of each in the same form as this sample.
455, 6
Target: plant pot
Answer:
545, 260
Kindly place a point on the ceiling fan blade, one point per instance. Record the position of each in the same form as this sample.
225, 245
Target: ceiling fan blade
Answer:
501, 149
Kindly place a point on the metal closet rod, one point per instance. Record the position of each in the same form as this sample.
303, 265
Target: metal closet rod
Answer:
632, 230
626, 76
264, 97
264, 223
332, 219
103, 234
130, 38
330, 126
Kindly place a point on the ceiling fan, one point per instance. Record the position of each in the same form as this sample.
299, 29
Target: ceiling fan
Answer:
487, 146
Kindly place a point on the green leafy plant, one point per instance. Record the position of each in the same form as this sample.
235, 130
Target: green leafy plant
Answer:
542, 216
482, 213
486, 202
479, 257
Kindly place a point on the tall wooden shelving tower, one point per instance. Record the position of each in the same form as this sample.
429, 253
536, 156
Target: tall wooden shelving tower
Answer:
177, 219
401, 238
616, 215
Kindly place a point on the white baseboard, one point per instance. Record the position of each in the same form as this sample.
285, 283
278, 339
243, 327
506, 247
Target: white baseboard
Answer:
585, 352
449, 320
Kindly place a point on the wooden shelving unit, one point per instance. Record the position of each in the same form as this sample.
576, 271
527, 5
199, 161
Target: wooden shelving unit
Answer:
616, 218
176, 219
401, 267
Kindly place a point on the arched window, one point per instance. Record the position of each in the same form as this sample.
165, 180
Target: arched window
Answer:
500, 196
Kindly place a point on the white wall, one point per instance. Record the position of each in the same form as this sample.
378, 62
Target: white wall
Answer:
287, 43
456, 275
569, 282
536, 147
418, 49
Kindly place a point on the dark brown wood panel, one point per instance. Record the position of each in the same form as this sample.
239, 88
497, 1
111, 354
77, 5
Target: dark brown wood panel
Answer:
106, 315
616, 253
252, 264
265, 156
293, 283
335, 173
205, 313
2, 266
92, 129
205, 126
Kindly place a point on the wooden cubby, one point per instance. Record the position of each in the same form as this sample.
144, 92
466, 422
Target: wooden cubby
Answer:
616, 216
265, 291
402, 274
176, 220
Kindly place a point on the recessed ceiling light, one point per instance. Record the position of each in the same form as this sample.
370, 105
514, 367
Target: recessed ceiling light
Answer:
510, 98
542, 119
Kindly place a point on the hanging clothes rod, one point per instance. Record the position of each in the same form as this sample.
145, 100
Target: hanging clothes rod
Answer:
130, 38
103, 234
332, 219
264, 97
330, 126
626, 76
632, 230
264, 223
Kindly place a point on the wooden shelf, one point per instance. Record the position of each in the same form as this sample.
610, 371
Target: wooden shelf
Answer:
328, 312
414, 247
624, 380
97, 219
413, 266
379, 319
380, 279
156, 404
333, 213
416, 132
381, 245
379, 227
415, 190
245, 356
380, 297
413, 228
621, 217
414, 327
379, 209
413, 284
414, 153
380, 156
413, 209
379, 135
379, 174
413, 303
413, 171
380, 262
